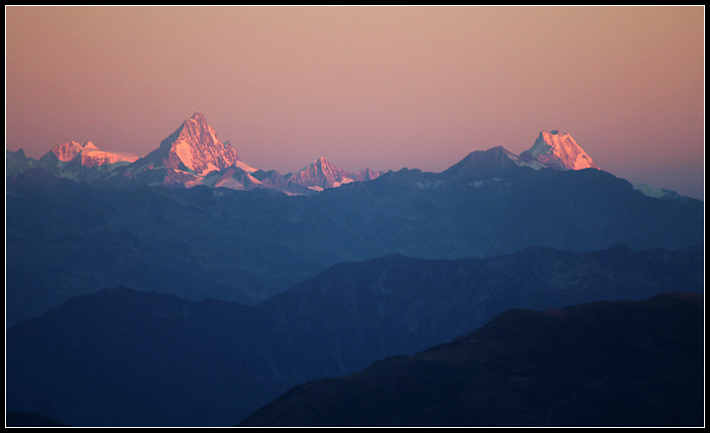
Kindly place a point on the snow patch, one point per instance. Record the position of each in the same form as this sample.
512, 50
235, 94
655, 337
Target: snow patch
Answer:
254, 180
182, 150
429, 184
210, 167
230, 183
582, 162
245, 167
654, 192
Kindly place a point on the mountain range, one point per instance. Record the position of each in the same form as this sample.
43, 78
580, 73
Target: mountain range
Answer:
193, 155
185, 287
244, 235
126, 357
190, 156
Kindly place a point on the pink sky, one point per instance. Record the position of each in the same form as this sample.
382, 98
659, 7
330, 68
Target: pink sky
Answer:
376, 87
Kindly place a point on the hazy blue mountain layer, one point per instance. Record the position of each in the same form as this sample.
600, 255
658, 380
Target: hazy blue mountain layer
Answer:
124, 357
66, 238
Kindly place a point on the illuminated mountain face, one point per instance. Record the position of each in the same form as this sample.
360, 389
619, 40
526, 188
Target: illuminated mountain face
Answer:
89, 154
195, 147
558, 151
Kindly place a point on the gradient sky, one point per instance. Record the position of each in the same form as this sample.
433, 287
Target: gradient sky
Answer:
378, 87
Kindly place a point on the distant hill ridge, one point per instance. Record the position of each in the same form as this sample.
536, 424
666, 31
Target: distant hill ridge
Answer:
215, 362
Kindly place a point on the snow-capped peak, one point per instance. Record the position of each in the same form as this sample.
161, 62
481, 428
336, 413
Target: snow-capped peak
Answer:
90, 155
67, 151
558, 151
321, 164
195, 146
321, 174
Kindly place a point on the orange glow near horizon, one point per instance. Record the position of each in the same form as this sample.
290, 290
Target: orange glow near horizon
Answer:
378, 87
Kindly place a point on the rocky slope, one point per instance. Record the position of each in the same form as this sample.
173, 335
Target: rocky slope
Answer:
17, 162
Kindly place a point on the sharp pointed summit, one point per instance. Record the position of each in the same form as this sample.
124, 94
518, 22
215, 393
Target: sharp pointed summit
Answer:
320, 174
199, 118
187, 155
558, 151
195, 148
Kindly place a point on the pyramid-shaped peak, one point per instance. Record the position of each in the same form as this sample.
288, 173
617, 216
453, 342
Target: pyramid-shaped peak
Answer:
482, 163
193, 148
320, 174
199, 118
197, 125
320, 165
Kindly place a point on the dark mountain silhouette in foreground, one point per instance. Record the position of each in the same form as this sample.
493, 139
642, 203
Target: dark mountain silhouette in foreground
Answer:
600, 364
123, 357
29, 419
